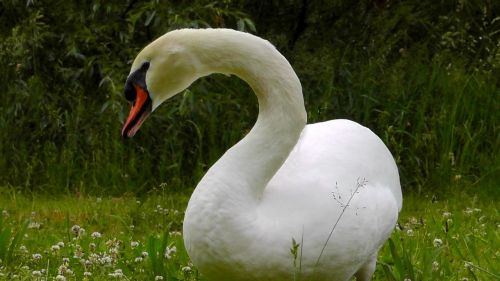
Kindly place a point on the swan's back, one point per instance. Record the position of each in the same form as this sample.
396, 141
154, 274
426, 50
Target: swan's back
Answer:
334, 163
337, 153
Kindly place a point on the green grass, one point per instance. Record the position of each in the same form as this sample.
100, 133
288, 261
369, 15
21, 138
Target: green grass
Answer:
440, 237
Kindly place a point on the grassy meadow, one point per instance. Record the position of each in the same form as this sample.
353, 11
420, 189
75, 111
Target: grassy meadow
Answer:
438, 237
78, 203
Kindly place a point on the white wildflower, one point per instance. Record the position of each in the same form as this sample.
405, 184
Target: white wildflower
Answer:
60, 244
63, 269
34, 225
96, 235
468, 265
116, 274
60, 278
144, 254
36, 256
437, 242
81, 231
87, 274
23, 249
134, 244
447, 215
157, 278
36, 273
105, 260
138, 259
5, 213
186, 269
78, 253
75, 229
170, 251
435, 266
409, 232
55, 248
92, 246
113, 251
65, 260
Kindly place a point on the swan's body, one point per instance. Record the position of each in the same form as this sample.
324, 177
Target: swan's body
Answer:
284, 180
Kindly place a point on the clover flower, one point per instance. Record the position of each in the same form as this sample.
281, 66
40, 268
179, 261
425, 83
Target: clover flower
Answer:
118, 273
170, 251
36, 256
437, 242
23, 249
435, 266
75, 229
186, 269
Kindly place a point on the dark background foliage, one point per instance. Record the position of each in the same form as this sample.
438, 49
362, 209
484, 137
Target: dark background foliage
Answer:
423, 75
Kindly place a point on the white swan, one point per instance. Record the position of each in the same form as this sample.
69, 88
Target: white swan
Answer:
333, 187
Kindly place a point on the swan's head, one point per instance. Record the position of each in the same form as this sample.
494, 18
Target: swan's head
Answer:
161, 70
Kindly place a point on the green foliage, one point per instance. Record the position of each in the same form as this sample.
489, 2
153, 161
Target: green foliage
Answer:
423, 75
9, 241
443, 238
63, 105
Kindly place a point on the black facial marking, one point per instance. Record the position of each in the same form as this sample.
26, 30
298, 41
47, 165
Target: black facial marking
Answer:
138, 78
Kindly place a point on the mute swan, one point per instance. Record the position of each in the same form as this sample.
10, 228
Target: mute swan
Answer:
328, 190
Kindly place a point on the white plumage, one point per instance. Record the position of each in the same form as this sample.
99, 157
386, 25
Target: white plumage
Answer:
284, 181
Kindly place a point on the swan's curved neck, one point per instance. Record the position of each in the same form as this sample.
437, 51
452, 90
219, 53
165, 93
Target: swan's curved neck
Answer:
245, 169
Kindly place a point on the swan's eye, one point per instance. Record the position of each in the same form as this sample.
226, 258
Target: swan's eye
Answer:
130, 93
138, 77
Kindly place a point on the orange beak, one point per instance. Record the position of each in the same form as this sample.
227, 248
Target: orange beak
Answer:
141, 108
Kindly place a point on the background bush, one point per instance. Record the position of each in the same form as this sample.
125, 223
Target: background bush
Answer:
423, 75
